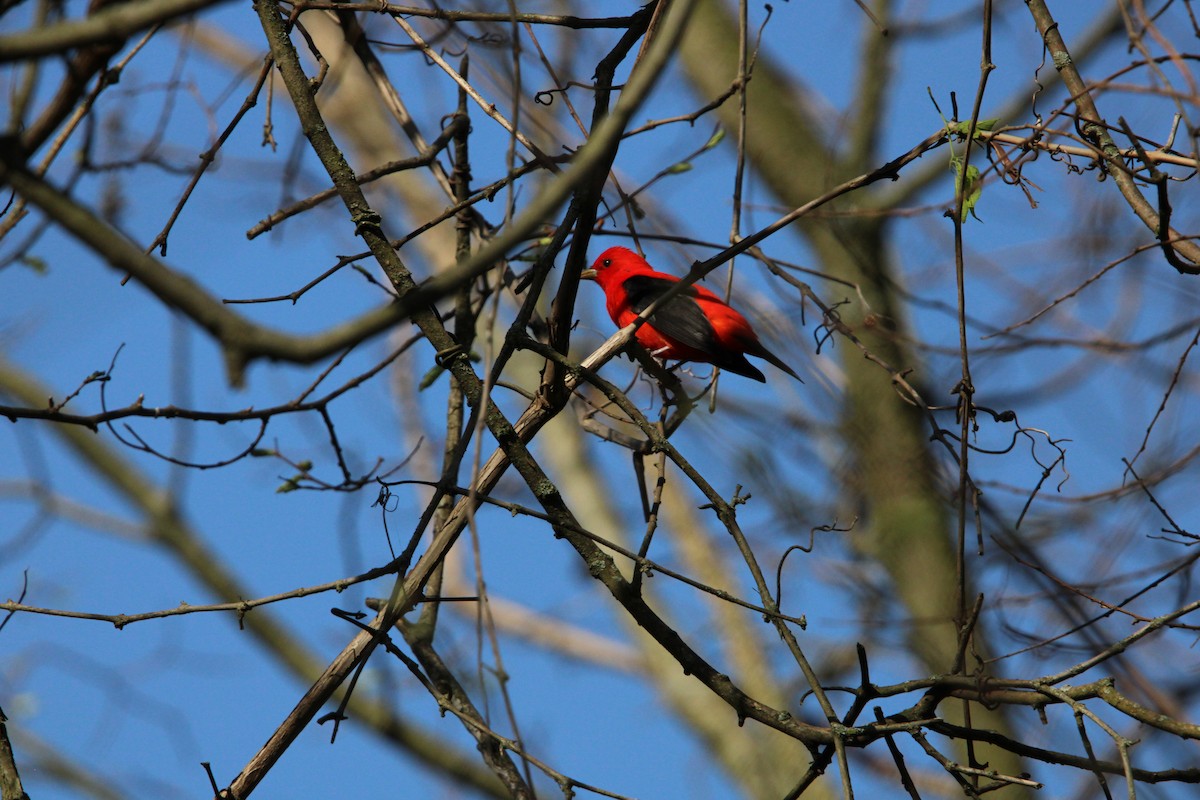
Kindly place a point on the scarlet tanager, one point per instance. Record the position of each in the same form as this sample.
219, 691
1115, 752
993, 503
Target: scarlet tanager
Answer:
694, 325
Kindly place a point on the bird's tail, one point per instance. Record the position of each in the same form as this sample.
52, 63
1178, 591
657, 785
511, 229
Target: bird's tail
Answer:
767, 355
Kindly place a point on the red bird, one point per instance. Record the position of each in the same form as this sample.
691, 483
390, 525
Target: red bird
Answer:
695, 325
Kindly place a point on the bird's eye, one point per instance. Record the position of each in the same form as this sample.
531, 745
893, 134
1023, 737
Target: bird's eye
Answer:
608, 262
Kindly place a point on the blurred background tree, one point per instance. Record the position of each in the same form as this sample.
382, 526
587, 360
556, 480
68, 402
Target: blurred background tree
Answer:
956, 561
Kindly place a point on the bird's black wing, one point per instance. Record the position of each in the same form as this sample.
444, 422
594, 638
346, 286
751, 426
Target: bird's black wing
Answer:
680, 318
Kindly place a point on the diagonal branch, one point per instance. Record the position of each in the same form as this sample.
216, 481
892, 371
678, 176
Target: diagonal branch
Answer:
243, 341
112, 23
1096, 131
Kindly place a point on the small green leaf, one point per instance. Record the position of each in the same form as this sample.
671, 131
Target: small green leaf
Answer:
715, 139
431, 377
972, 186
974, 191
36, 264
960, 128
682, 166
290, 485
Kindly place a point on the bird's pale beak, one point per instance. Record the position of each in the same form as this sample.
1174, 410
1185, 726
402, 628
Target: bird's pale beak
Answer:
588, 275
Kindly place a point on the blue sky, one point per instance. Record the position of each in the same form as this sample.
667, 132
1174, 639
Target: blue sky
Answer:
148, 703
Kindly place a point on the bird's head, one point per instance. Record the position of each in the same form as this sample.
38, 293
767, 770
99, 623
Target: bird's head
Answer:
613, 264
